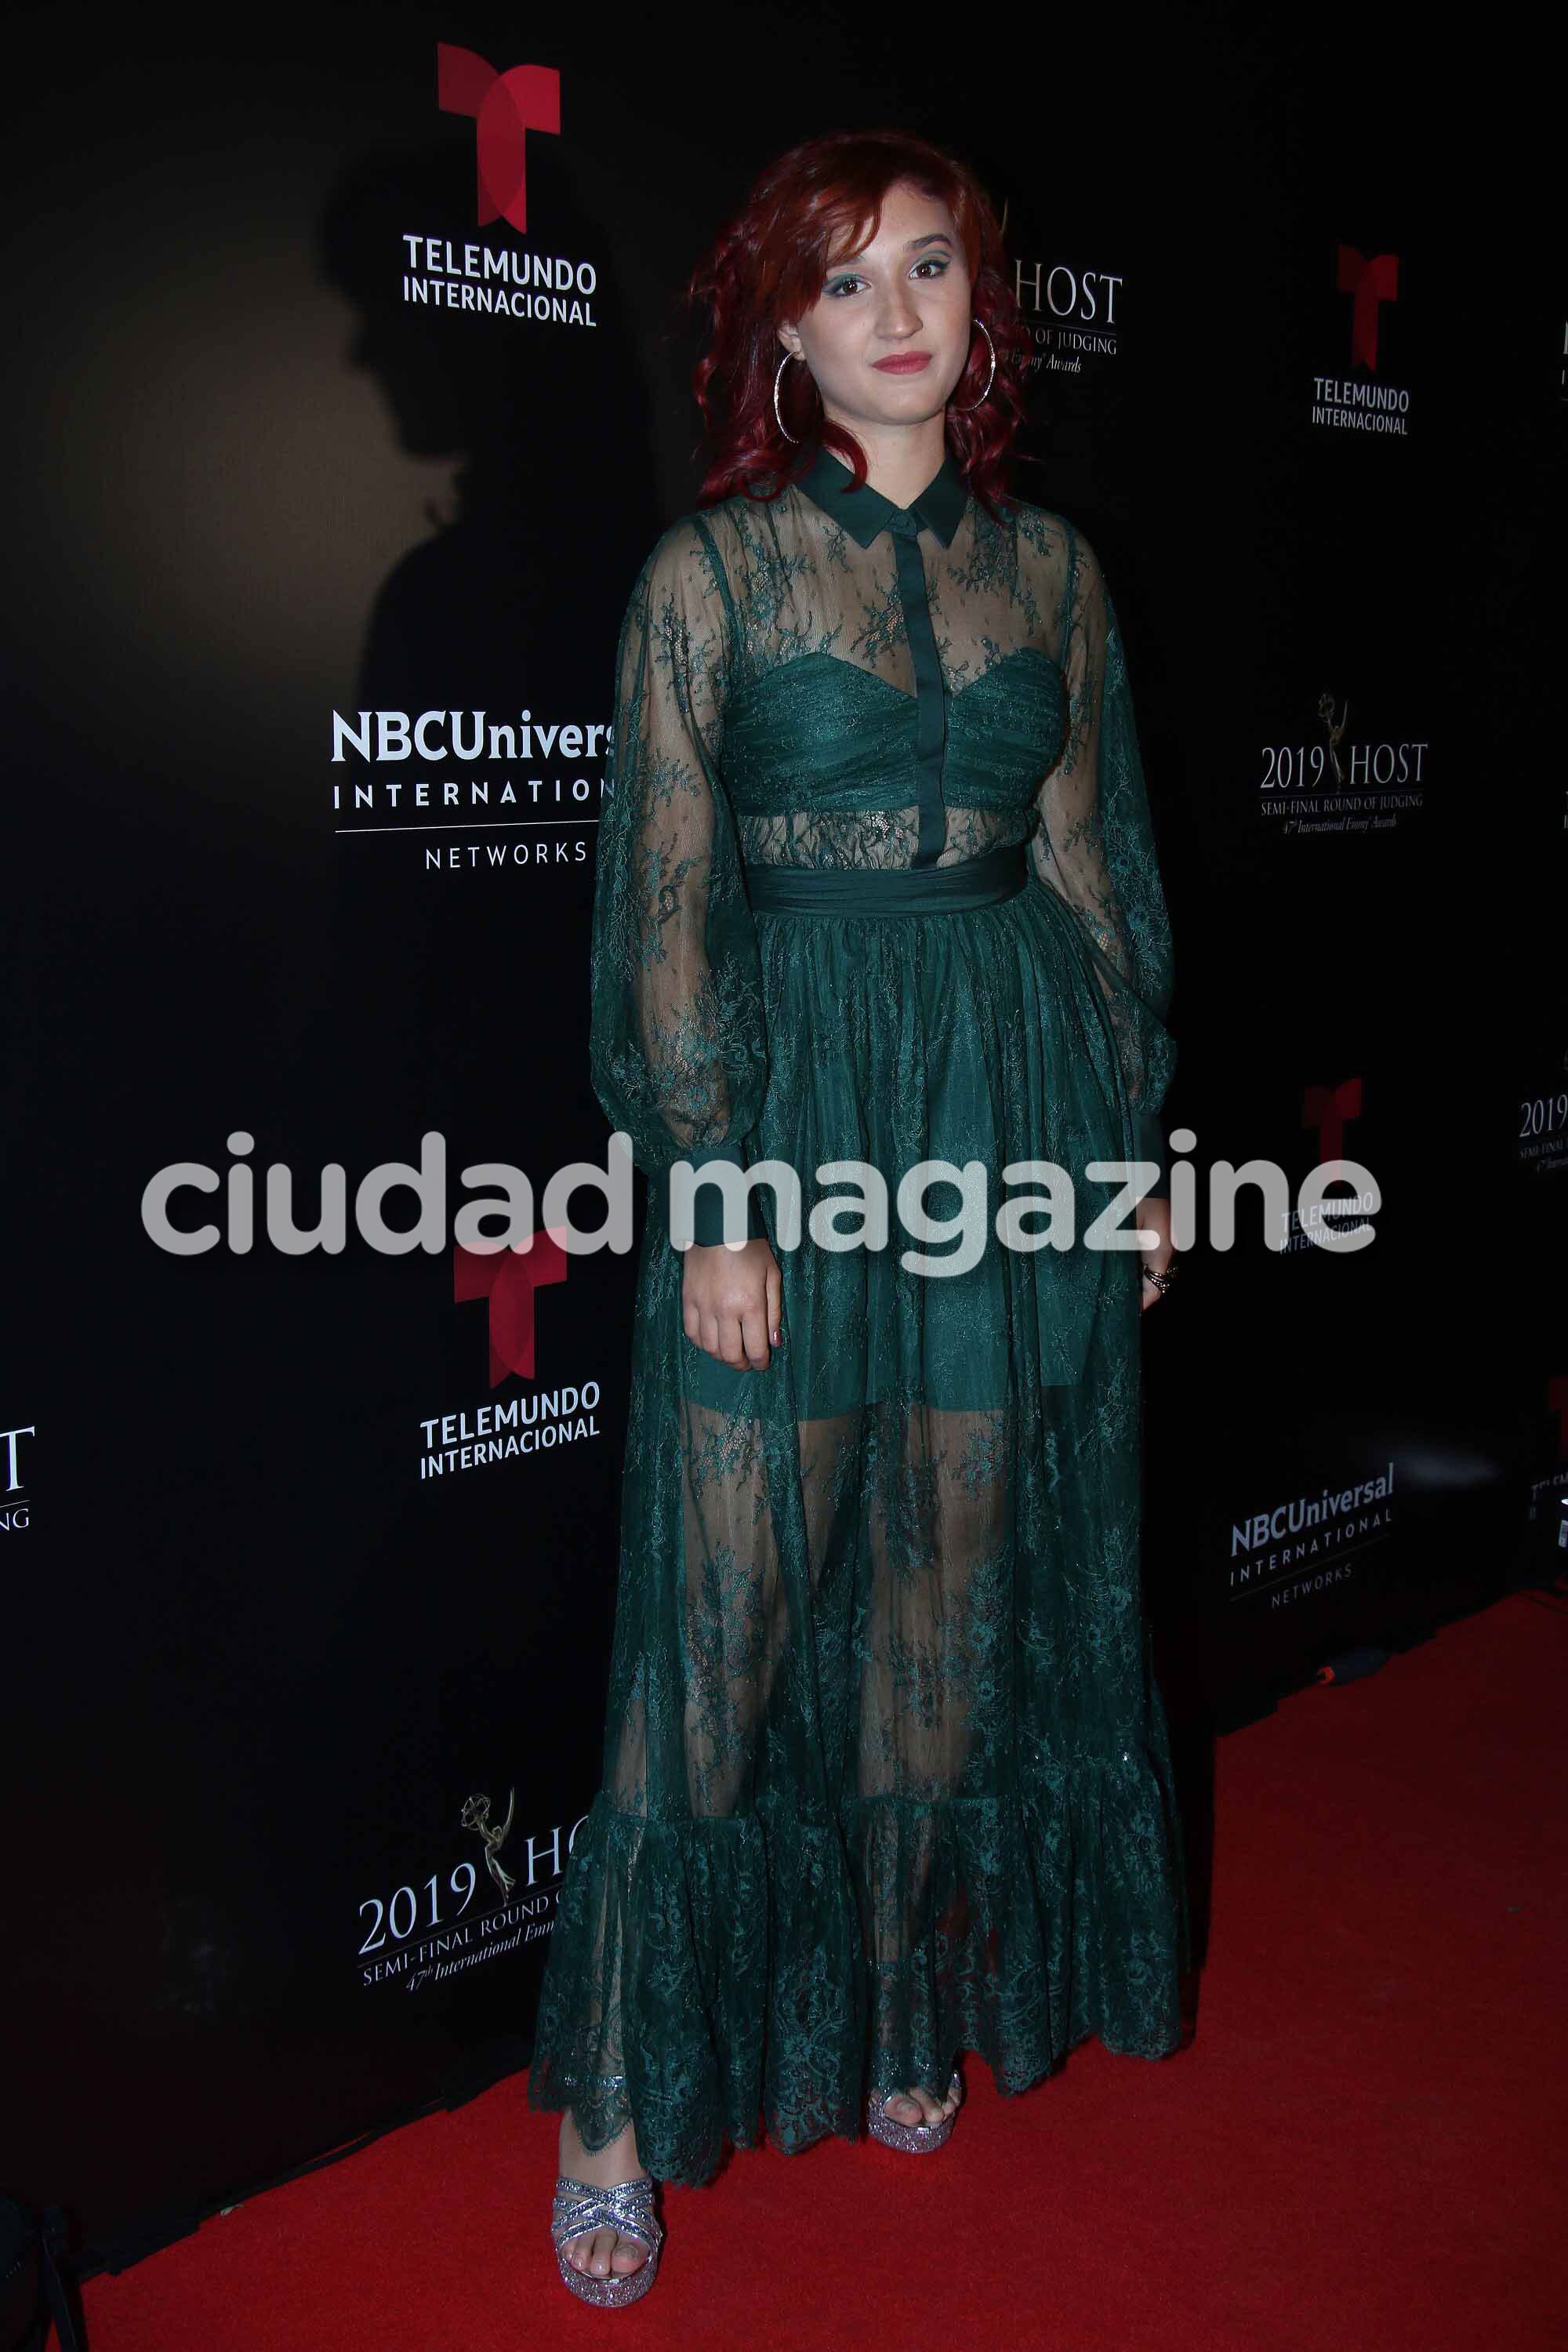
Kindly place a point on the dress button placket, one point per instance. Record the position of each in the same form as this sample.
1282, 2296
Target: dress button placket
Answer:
930, 714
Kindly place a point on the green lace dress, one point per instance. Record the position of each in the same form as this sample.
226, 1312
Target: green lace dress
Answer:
885, 1771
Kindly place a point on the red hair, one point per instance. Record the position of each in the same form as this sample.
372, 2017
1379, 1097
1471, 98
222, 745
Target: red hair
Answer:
822, 200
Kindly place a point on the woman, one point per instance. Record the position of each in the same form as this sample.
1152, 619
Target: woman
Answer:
886, 1772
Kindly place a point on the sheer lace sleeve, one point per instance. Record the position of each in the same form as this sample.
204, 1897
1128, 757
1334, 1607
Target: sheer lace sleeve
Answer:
1095, 848
677, 1052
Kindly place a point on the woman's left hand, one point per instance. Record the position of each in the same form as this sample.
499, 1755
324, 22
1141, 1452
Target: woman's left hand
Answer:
1155, 1216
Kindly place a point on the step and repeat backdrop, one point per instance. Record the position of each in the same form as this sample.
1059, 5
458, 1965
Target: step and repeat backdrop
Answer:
348, 388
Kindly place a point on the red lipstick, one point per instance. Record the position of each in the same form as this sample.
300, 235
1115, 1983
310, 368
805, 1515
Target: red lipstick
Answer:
904, 363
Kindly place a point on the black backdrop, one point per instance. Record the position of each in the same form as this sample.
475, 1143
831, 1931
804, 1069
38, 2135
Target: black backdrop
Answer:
270, 1630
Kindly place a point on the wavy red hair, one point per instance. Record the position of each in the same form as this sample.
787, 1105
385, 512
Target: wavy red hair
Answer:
808, 210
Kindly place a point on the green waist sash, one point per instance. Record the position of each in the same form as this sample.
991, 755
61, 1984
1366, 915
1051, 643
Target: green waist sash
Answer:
869, 890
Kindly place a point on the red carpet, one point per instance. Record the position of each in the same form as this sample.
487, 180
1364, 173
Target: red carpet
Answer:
1362, 2149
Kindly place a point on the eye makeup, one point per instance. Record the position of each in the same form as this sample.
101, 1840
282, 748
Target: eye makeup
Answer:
942, 262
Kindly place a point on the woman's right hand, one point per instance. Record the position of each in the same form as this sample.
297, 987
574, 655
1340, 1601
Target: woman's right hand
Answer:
730, 1302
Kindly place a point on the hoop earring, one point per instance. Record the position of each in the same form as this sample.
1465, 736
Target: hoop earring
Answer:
778, 379
989, 381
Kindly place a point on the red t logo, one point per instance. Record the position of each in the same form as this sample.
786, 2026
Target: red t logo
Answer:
1557, 1401
508, 1281
1327, 1109
506, 106
1371, 282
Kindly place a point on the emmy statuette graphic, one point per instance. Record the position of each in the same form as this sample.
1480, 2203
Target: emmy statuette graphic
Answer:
477, 1817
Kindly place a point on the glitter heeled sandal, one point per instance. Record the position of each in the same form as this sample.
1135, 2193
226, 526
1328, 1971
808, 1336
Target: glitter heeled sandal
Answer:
579, 2208
914, 2139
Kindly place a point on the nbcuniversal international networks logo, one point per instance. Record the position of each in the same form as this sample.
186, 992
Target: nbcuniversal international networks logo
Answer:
392, 785
1290, 1549
1356, 404
499, 281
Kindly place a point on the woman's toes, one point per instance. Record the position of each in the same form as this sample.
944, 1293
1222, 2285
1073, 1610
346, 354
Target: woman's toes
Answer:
629, 2255
603, 2246
903, 2107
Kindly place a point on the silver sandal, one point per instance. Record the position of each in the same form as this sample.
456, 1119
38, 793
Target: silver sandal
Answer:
579, 2208
914, 2139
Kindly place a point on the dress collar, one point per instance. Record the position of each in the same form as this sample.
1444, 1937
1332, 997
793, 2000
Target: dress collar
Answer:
864, 511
